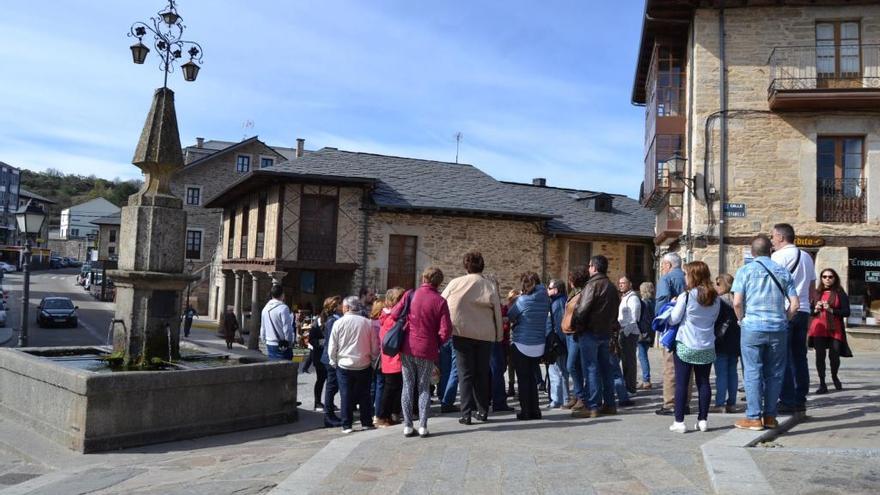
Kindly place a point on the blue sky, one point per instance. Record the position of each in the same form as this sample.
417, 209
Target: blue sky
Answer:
537, 89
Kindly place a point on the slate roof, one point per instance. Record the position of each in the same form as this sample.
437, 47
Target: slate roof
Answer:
24, 193
114, 219
433, 186
212, 146
576, 214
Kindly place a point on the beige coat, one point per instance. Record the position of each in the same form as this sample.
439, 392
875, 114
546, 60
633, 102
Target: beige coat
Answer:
475, 308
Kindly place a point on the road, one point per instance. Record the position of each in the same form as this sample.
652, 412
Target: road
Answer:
94, 316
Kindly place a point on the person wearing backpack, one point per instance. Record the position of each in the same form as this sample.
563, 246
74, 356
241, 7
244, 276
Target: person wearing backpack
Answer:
727, 333
628, 316
646, 333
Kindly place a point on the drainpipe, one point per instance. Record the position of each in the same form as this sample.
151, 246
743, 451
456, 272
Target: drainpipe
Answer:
690, 140
722, 176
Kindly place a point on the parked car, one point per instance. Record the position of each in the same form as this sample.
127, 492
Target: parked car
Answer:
57, 311
55, 262
73, 262
90, 280
84, 271
7, 268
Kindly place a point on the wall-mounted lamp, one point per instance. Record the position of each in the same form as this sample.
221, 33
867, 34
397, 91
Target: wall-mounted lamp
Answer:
676, 165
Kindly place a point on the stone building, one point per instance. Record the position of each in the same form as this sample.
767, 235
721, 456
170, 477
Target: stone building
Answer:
210, 167
334, 221
108, 237
774, 106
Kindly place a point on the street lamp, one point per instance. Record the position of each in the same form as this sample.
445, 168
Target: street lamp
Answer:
30, 221
167, 30
190, 266
676, 166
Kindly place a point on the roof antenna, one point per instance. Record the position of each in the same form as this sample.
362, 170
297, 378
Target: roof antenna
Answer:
247, 125
458, 136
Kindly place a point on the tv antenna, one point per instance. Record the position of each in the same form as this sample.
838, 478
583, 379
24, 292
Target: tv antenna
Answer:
247, 126
458, 136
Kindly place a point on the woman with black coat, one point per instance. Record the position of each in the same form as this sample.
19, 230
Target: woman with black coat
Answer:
727, 349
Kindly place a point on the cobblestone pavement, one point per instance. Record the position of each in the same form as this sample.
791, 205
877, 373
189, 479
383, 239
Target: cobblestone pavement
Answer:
631, 453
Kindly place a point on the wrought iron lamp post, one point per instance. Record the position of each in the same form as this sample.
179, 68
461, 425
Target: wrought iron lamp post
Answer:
167, 30
30, 221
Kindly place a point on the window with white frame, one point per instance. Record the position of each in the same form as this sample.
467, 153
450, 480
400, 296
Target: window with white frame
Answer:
193, 244
193, 195
243, 163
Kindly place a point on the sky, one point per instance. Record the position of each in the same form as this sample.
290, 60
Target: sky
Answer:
537, 89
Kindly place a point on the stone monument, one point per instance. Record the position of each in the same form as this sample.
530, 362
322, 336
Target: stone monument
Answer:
150, 279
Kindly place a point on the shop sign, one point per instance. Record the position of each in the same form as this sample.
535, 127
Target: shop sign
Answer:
735, 210
872, 277
808, 241
857, 262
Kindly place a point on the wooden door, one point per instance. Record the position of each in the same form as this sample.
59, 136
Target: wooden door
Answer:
402, 261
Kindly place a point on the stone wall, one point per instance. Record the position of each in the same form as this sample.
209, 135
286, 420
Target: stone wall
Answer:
771, 156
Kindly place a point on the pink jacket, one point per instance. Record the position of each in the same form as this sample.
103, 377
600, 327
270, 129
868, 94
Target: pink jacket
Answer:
429, 325
389, 364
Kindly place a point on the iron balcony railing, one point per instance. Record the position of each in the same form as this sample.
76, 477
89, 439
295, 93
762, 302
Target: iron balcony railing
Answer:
841, 200
833, 66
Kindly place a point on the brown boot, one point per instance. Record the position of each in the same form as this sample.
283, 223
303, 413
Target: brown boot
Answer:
571, 402
578, 405
585, 413
749, 424
770, 422
608, 410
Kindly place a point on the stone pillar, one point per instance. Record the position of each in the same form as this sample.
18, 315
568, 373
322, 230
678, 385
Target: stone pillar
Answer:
150, 278
257, 303
239, 316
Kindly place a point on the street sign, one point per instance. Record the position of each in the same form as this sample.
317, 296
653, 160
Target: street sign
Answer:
735, 210
872, 277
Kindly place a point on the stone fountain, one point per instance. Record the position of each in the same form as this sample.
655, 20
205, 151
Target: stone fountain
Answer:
156, 398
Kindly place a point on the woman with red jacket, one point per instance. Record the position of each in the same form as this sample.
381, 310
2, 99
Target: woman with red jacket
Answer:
388, 413
827, 330
428, 327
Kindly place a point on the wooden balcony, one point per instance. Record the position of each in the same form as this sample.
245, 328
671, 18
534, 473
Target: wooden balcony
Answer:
825, 77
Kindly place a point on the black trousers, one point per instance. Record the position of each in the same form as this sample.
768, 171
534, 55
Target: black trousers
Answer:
704, 390
474, 376
528, 385
391, 392
354, 390
330, 392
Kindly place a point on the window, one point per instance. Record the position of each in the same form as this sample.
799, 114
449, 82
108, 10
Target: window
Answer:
670, 81
317, 231
230, 242
266, 162
838, 54
243, 163
74, 232
193, 244
579, 254
840, 187
636, 265
261, 224
112, 236
193, 195
111, 251
402, 261
245, 217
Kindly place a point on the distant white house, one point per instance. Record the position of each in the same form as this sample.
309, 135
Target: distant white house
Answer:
76, 221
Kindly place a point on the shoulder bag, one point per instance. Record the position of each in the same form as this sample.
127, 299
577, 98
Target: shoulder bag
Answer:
567, 318
393, 340
553, 346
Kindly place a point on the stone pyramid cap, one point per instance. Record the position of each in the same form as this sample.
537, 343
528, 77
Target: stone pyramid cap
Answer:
160, 142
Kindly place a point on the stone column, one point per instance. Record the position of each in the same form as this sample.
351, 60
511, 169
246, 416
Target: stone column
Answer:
277, 277
257, 300
239, 317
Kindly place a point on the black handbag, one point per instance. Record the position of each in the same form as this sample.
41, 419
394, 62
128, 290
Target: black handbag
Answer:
393, 340
553, 345
283, 345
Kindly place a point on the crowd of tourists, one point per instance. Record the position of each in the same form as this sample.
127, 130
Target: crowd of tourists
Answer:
582, 341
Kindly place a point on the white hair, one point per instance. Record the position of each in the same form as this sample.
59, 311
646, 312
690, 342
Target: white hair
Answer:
353, 303
673, 259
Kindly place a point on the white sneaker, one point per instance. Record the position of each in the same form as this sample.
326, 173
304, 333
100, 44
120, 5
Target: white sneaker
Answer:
408, 431
423, 432
678, 427
702, 425
347, 430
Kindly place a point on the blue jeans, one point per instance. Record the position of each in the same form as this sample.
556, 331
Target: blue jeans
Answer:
596, 363
448, 386
273, 353
643, 361
559, 381
619, 382
497, 367
573, 364
330, 390
764, 356
726, 379
354, 388
376, 387
796, 383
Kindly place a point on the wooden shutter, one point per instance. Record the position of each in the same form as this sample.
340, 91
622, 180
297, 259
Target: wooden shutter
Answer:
317, 234
402, 261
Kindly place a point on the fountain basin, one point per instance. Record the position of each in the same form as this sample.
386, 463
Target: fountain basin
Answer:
89, 411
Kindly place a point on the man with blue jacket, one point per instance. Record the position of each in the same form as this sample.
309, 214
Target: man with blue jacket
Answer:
670, 286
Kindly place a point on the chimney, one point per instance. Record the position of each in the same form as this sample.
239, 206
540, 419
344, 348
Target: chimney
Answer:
539, 181
300, 147
200, 142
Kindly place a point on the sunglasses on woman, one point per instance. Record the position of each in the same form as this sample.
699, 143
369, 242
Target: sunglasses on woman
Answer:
830, 277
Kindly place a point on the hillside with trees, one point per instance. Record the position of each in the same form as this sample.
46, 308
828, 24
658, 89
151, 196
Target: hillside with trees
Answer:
71, 189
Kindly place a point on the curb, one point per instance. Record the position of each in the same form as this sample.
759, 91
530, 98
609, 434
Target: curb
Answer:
731, 468
6, 334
